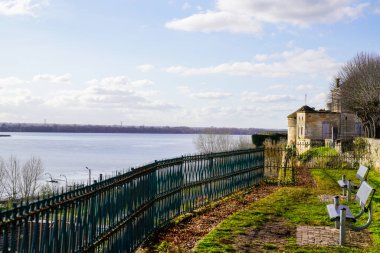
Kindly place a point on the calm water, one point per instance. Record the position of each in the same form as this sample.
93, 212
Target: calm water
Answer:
69, 154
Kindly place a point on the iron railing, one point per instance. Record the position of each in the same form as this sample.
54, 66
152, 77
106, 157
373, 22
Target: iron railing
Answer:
118, 214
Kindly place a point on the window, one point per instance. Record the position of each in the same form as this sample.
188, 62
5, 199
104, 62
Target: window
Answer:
358, 128
326, 130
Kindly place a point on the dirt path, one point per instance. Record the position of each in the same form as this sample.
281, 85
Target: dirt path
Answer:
183, 236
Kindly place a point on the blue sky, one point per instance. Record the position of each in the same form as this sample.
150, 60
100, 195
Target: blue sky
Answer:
224, 63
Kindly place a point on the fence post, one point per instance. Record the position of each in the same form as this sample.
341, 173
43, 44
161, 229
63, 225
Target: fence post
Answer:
5, 238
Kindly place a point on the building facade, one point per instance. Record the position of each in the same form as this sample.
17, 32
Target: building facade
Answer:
308, 126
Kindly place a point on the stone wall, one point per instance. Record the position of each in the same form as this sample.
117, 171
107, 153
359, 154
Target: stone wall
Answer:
314, 124
292, 124
375, 152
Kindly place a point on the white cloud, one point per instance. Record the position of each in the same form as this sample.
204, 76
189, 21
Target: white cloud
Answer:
264, 111
184, 89
215, 112
142, 83
312, 62
319, 100
10, 81
145, 67
305, 87
278, 87
376, 8
225, 115
21, 7
66, 78
261, 57
246, 16
216, 22
256, 97
115, 92
119, 82
18, 97
209, 95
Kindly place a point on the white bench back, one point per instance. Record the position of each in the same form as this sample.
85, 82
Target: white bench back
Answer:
362, 172
365, 194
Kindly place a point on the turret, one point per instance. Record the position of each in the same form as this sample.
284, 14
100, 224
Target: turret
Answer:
335, 105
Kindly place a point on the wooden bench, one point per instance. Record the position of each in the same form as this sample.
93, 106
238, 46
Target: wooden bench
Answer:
348, 185
342, 213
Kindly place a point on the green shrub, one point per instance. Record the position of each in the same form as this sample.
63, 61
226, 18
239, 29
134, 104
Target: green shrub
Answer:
361, 148
317, 152
322, 157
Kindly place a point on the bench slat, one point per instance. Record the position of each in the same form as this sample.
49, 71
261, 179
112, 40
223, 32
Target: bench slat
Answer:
344, 183
364, 193
362, 173
334, 214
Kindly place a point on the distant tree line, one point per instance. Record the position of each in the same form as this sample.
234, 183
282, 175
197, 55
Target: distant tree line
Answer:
73, 128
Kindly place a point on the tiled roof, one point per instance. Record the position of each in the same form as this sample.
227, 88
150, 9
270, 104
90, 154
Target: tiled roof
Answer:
304, 108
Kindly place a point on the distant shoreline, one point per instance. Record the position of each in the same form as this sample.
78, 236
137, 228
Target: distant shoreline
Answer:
73, 128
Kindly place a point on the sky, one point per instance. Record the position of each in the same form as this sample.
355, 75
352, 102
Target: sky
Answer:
221, 63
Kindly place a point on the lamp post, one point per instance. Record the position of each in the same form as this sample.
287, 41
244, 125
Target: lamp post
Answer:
52, 181
65, 179
89, 175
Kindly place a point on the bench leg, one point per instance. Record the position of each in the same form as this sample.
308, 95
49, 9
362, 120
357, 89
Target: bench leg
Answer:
337, 224
344, 188
336, 204
342, 231
349, 190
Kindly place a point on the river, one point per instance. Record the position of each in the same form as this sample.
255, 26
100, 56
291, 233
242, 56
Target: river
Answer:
68, 154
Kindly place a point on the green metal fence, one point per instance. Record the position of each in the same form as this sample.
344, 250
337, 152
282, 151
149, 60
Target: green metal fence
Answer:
279, 165
118, 214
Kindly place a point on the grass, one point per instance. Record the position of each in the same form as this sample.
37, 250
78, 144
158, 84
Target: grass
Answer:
295, 206
326, 181
317, 152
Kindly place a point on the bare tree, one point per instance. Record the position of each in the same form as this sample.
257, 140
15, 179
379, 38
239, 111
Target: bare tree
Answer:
360, 91
30, 174
2, 177
46, 189
12, 177
245, 142
17, 181
213, 141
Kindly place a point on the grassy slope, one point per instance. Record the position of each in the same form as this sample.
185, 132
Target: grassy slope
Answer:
296, 206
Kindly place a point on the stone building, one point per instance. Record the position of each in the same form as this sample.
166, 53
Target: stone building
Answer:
308, 126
